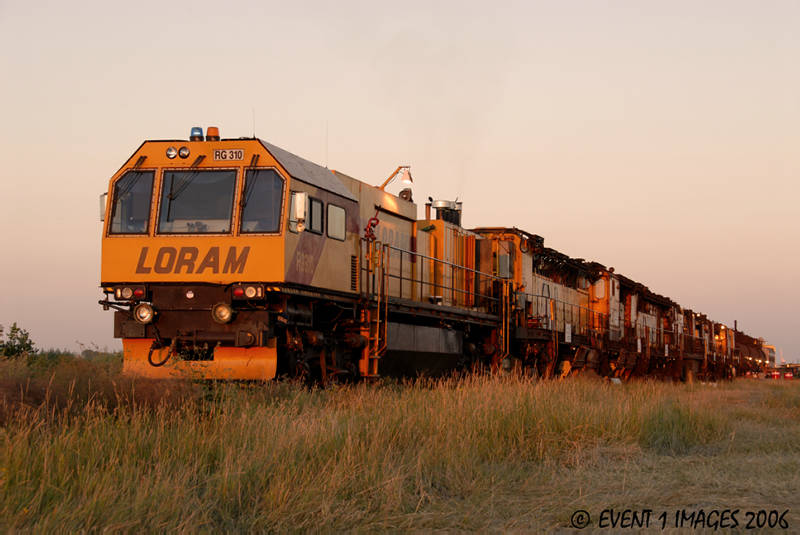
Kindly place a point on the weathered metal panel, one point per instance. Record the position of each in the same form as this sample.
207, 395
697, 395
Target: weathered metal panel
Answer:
423, 339
527, 271
504, 266
316, 259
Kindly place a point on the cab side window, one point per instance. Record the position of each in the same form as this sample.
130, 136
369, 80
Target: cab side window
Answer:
336, 222
315, 219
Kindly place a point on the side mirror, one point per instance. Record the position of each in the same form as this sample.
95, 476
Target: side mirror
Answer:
300, 208
103, 199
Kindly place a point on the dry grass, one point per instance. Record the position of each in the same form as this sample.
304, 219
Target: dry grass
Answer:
63, 386
475, 454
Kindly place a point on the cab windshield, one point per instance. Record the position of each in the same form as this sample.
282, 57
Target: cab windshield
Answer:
196, 201
261, 201
130, 208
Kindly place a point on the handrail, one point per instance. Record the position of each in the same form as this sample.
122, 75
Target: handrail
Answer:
445, 262
472, 288
655, 337
461, 285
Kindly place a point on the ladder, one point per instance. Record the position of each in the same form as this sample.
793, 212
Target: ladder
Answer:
506, 309
505, 316
374, 315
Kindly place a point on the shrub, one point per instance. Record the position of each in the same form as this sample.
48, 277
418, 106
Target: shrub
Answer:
17, 342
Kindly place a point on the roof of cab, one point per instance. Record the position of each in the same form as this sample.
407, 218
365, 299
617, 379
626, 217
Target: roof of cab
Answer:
309, 172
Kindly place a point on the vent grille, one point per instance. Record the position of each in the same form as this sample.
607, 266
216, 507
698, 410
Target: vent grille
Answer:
354, 273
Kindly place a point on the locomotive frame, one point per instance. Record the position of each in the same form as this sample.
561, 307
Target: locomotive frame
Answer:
316, 274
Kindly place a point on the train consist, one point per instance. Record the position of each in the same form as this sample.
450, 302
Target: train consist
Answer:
235, 259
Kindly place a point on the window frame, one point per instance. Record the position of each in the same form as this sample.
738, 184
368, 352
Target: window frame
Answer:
232, 220
328, 222
310, 219
240, 195
111, 204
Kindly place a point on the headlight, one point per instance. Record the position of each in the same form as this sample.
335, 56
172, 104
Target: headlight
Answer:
172, 152
126, 293
183, 152
222, 313
250, 292
144, 313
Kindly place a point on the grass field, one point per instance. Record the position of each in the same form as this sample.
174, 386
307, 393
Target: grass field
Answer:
83, 448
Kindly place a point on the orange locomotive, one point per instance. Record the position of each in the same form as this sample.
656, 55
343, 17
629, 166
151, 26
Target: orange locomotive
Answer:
235, 259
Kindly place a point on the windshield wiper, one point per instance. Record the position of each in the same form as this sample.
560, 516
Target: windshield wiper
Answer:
249, 189
128, 187
174, 193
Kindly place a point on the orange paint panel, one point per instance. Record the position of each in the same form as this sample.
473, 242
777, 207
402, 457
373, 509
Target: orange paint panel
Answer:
218, 259
256, 363
212, 259
212, 153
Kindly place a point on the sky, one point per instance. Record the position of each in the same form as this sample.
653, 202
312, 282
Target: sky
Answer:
660, 138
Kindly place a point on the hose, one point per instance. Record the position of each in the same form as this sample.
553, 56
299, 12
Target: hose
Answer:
369, 230
150, 355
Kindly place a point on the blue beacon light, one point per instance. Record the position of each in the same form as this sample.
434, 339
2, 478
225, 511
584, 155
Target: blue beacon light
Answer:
197, 134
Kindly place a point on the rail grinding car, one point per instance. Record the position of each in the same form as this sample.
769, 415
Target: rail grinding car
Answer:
236, 259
